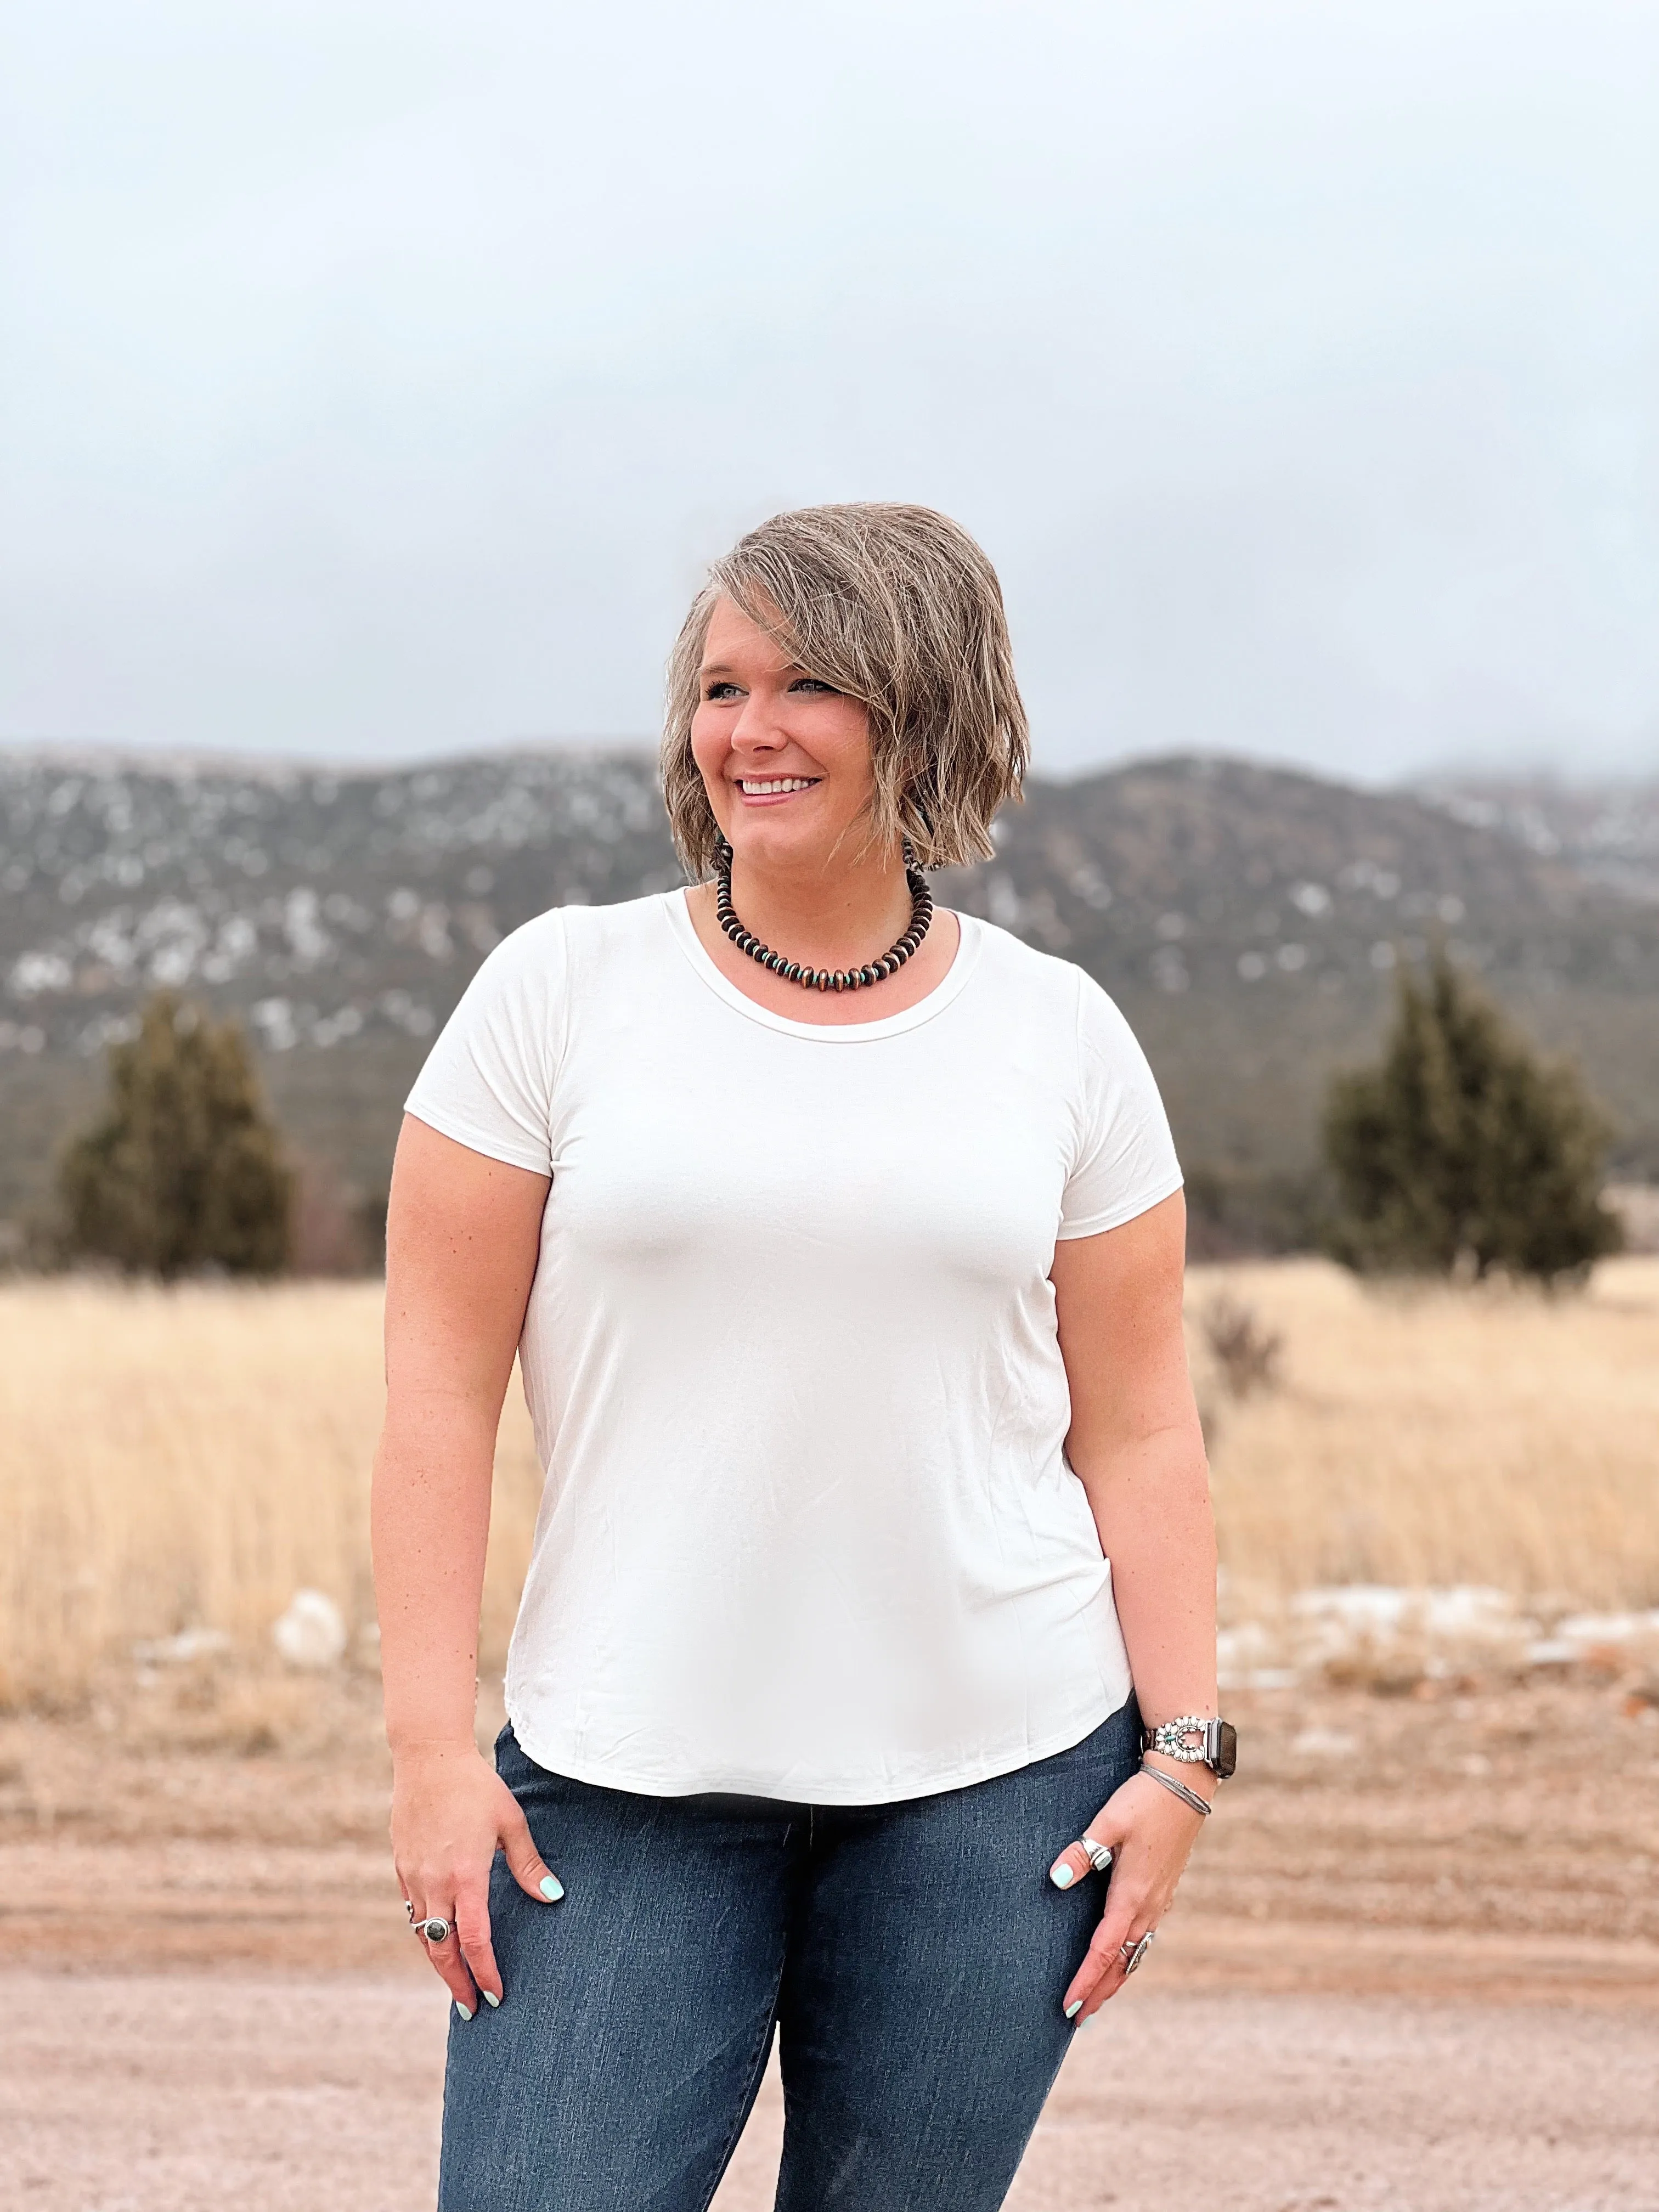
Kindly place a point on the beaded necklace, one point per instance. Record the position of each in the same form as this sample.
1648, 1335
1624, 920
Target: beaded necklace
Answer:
824, 979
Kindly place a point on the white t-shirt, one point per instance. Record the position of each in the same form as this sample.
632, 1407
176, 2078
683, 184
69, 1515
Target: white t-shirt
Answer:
808, 1529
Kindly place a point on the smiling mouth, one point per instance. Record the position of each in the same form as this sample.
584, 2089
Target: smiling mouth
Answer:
774, 787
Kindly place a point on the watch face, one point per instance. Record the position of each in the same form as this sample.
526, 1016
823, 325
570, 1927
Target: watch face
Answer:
1226, 1749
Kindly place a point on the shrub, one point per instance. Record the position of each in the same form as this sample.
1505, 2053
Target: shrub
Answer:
1461, 1151
184, 1170
1245, 1354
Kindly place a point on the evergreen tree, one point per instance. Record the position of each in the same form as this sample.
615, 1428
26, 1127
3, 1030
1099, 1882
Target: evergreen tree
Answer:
1462, 1149
184, 1169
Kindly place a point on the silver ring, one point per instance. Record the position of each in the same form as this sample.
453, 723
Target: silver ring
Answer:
1099, 1856
435, 1930
1132, 1954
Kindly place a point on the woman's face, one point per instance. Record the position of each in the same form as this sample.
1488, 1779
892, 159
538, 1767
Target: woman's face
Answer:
786, 760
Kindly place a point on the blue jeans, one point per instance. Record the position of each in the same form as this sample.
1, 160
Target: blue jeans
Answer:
912, 1957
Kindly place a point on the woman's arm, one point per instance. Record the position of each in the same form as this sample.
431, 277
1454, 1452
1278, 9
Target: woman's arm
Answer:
1137, 1446
462, 1233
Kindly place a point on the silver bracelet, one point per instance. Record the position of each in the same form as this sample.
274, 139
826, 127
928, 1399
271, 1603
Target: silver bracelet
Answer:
1180, 1790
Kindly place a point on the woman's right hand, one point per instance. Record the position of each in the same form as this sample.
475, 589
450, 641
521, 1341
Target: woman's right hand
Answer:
450, 1809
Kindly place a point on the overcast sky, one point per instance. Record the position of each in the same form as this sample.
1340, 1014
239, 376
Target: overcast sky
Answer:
376, 374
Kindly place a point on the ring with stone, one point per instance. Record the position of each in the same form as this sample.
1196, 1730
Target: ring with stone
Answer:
1132, 1954
1099, 1855
435, 1930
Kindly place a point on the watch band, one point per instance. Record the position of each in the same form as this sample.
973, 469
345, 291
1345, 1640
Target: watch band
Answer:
1195, 1741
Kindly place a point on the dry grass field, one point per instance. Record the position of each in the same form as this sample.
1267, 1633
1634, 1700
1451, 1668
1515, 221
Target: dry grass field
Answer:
1429, 1435
186, 1459
183, 1459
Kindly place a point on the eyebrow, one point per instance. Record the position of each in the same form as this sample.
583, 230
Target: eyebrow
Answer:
725, 668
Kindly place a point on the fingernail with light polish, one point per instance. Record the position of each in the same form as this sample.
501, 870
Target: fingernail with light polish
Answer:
552, 1887
462, 2009
493, 2002
1074, 2009
1062, 1875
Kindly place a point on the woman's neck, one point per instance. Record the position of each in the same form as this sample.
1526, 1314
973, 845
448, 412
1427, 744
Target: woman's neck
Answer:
838, 917
822, 920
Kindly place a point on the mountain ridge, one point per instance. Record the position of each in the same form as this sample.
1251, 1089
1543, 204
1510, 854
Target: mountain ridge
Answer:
1250, 919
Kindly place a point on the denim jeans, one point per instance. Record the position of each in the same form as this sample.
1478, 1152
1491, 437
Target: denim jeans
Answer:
912, 1957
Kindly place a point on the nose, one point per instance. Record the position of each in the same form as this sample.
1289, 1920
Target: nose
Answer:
756, 729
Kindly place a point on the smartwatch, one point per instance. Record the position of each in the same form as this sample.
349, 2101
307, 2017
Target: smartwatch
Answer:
1195, 1741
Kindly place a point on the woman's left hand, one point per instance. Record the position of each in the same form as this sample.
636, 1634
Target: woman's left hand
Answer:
1150, 1834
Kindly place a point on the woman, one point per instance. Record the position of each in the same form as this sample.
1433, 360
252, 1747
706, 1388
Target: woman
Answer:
846, 1284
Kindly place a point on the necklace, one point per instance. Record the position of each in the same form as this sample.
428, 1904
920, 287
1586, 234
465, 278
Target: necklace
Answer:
824, 979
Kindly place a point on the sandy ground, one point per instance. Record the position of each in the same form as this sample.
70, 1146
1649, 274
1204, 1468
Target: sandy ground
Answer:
1415, 1966
278, 2094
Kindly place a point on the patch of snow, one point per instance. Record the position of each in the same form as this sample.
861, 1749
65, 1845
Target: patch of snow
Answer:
310, 942
274, 1020
311, 1632
1460, 1609
1342, 1618
1242, 1646
31, 972
180, 1650
1324, 1743
332, 1027
1588, 1628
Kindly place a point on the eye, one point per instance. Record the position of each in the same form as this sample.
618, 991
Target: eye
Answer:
814, 683
720, 689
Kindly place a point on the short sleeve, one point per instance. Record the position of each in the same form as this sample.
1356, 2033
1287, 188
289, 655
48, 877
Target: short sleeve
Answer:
1125, 1159
487, 1081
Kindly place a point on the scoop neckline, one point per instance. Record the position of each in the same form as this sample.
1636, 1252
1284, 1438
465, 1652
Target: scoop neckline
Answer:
949, 986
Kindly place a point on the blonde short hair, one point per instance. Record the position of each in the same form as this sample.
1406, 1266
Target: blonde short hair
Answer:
896, 606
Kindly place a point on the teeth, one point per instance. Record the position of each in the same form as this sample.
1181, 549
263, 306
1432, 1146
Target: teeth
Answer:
755, 789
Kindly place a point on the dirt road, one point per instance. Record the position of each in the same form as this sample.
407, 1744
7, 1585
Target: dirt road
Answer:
275, 2094
1416, 1966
